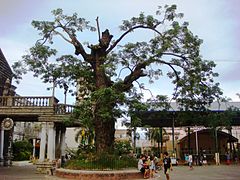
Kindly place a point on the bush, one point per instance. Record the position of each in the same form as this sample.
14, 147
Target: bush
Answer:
87, 158
102, 162
22, 150
122, 147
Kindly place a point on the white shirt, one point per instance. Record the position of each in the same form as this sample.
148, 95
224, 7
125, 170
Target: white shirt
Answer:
140, 164
190, 158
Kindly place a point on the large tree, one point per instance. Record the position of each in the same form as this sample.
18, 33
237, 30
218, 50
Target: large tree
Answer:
112, 71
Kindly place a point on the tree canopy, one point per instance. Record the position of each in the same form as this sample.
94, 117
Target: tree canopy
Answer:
112, 73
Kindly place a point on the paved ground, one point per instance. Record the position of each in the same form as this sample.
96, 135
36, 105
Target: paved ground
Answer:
222, 172
205, 173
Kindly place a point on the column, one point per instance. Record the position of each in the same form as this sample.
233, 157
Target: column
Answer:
196, 137
43, 143
51, 142
63, 144
1, 145
189, 139
34, 150
57, 142
173, 138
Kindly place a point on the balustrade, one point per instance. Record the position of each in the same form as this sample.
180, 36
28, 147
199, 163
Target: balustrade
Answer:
63, 109
27, 101
47, 101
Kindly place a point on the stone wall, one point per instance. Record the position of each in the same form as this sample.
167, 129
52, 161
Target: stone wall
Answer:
98, 175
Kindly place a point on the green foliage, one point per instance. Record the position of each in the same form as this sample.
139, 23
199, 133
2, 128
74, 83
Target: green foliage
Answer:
22, 150
87, 158
156, 134
102, 161
122, 147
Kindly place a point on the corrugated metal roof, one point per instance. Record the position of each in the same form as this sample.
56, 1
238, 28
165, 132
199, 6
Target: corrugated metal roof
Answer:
215, 106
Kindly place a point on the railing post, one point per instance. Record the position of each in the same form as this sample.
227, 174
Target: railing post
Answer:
51, 101
9, 101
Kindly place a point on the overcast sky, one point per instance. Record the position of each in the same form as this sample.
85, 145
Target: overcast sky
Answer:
217, 22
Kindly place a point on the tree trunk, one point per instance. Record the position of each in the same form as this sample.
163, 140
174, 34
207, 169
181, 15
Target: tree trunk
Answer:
104, 135
104, 127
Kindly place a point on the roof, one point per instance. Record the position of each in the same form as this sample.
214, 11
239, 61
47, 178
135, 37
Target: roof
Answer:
215, 106
208, 131
166, 118
5, 71
3, 63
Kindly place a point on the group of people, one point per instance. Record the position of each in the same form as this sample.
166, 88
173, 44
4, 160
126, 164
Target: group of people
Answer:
197, 160
189, 160
148, 165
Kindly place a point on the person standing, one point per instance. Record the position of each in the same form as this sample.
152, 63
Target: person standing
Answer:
152, 166
186, 159
167, 165
190, 161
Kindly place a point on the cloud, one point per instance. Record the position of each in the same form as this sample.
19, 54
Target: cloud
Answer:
13, 14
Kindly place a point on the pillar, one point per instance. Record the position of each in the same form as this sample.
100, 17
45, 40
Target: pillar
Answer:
57, 142
1, 145
34, 150
43, 143
62, 144
173, 138
62, 140
196, 140
189, 139
51, 142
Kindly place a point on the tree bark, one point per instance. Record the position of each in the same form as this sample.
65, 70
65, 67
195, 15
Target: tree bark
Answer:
104, 128
104, 134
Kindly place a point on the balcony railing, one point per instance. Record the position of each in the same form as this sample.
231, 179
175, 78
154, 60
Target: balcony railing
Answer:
45, 101
63, 109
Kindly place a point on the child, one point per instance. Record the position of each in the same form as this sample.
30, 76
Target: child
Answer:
146, 167
167, 165
190, 160
152, 166
141, 164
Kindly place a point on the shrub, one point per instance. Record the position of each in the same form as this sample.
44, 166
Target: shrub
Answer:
22, 150
122, 147
102, 162
87, 158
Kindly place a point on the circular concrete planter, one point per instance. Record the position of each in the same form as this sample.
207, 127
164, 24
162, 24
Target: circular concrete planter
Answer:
99, 175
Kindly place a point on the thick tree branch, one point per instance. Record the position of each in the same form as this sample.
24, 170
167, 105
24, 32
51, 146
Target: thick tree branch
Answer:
138, 72
79, 49
128, 31
173, 54
98, 29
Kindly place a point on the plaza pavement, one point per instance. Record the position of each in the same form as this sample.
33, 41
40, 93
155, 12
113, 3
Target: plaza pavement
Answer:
222, 172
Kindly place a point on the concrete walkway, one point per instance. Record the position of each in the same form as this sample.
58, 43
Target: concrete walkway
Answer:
223, 172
